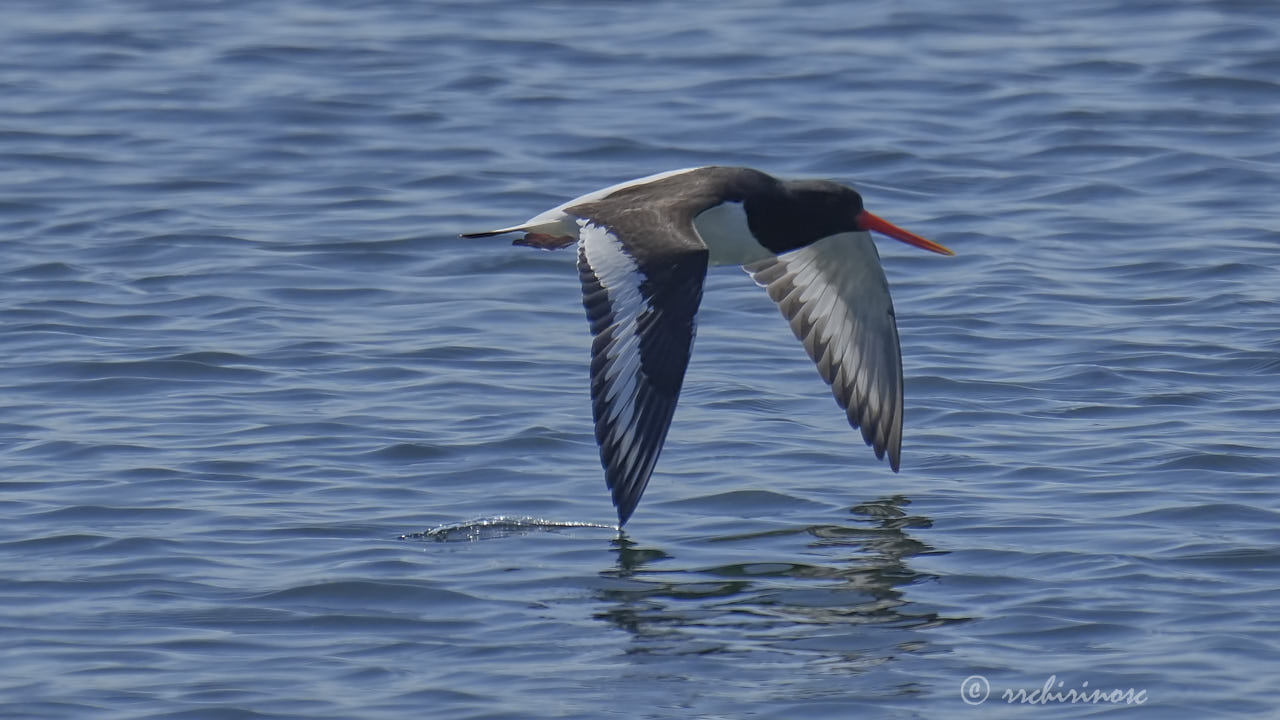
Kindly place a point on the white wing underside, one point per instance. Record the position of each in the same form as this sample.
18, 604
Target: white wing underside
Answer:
642, 324
835, 295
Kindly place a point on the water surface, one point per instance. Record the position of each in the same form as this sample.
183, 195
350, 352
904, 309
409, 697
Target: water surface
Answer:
247, 359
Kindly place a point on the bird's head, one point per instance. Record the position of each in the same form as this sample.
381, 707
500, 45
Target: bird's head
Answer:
831, 208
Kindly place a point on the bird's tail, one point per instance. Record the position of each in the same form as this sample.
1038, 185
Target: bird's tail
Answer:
488, 233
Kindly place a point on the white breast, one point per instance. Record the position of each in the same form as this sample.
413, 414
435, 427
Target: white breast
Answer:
727, 236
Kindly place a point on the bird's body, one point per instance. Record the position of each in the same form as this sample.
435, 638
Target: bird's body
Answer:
643, 251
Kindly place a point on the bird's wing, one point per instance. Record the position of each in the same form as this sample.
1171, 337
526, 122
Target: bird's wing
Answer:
835, 295
642, 277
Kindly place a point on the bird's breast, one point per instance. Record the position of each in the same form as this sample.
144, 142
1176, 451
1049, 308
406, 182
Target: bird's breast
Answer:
724, 230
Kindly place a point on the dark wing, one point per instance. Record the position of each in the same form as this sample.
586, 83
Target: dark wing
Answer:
836, 297
641, 286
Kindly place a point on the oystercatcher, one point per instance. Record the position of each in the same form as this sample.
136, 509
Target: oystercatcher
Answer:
643, 250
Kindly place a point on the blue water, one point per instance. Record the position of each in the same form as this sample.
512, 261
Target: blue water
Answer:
255, 391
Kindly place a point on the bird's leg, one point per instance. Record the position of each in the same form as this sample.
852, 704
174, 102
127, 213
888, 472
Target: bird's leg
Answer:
545, 241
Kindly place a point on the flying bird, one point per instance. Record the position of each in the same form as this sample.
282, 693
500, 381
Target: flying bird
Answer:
643, 251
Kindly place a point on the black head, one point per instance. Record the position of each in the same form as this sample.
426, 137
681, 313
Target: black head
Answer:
797, 213
834, 208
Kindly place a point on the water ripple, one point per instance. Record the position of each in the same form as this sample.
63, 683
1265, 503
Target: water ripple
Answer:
247, 355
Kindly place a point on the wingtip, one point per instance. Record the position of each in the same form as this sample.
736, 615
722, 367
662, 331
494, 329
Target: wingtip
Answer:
625, 508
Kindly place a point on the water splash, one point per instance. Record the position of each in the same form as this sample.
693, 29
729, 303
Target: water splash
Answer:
499, 526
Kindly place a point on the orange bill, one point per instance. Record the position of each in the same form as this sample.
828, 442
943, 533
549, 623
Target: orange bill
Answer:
870, 222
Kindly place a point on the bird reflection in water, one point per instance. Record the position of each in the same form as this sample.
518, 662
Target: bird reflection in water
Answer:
847, 576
